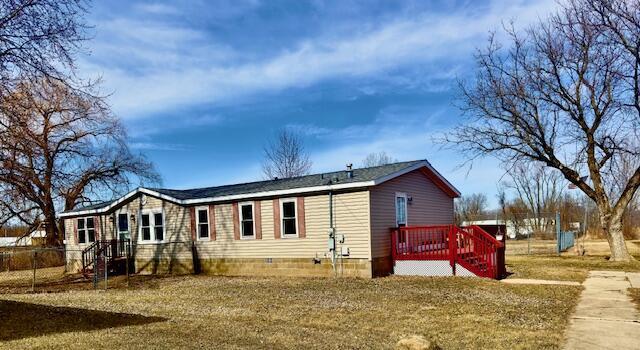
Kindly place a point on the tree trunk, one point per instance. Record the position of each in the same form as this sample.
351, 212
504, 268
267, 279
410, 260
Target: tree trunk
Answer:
611, 223
53, 232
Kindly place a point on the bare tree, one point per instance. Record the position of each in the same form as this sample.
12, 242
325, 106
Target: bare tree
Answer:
40, 38
621, 170
471, 207
285, 157
501, 195
59, 147
540, 188
377, 159
517, 213
564, 93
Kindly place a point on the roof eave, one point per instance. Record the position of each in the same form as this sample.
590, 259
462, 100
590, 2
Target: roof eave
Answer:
353, 185
447, 187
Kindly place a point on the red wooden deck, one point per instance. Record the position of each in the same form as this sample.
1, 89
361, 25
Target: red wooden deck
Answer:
470, 247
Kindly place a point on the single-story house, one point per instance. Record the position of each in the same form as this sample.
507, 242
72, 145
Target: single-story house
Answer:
314, 225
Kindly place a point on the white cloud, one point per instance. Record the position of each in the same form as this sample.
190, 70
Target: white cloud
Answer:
156, 8
146, 128
152, 146
179, 72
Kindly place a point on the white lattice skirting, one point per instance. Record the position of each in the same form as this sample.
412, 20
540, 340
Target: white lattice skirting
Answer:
428, 268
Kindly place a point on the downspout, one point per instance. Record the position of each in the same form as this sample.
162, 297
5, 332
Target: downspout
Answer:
332, 235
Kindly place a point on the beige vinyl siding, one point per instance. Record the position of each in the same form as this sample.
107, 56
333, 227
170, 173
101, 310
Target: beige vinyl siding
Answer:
176, 230
351, 219
267, 219
74, 250
430, 206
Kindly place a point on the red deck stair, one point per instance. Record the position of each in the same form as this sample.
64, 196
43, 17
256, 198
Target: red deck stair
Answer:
468, 247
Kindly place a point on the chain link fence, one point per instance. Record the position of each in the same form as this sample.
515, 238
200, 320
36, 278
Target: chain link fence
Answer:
29, 269
44, 269
527, 235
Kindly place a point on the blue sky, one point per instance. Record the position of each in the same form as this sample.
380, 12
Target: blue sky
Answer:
202, 85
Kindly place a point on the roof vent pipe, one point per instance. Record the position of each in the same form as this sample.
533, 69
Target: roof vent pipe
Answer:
349, 171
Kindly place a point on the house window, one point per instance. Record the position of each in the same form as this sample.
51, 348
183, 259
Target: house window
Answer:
86, 230
202, 223
152, 227
246, 220
123, 223
401, 209
289, 222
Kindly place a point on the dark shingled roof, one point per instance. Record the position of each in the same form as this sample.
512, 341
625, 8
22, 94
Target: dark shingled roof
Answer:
337, 177
332, 178
92, 206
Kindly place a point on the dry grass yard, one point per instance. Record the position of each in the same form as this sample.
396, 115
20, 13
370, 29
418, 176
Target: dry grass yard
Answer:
564, 268
592, 247
268, 313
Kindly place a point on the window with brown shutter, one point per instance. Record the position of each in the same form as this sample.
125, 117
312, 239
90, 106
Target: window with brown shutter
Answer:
276, 218
289, 224
202, 223
302, 225
212, 222
257, 210
247, 221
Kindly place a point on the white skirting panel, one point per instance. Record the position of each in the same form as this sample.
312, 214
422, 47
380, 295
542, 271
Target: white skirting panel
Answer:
461, 271
428, 268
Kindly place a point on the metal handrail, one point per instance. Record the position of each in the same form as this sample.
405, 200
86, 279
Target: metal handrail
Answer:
109, 249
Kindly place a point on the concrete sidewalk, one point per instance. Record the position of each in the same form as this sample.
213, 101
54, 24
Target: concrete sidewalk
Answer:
537, 281
605, 317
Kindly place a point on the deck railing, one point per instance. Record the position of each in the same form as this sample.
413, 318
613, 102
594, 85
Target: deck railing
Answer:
470, 247
108, 249
478, 251
421, 243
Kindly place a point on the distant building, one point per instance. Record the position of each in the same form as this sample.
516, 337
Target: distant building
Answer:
7, 242
36, 238
524, 228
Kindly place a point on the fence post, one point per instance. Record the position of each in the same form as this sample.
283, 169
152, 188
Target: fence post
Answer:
126, 253
34, 255
558, 233
96, 271
452, 249
106, 268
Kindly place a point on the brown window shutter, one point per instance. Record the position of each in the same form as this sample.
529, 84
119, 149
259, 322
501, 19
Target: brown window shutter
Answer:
192, 213
212, 222
302, 227
236, 221
75, 230
257, 219
276, 218
96, 224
